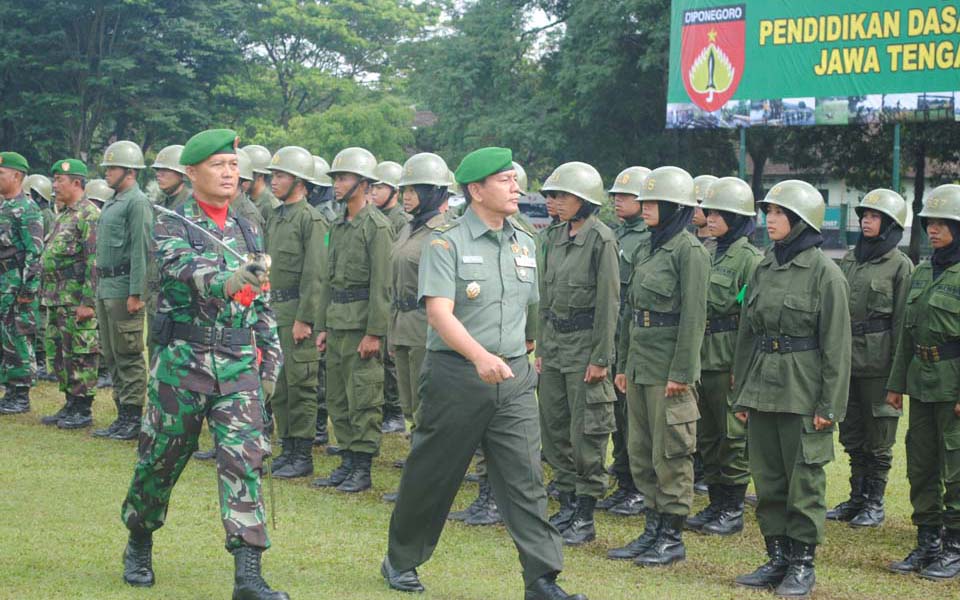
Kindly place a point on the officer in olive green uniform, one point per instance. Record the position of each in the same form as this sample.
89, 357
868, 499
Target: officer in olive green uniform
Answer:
579, 292
722, 439
926, 366
385, 193
792, 375
701, 184
40, 188
626, 500
295, 242
352, 321
878, 274
477, 277
123, 245
659, 363
260, 193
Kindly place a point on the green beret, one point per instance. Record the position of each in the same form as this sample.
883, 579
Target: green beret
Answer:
69, 166
14, 160
482, 163
207, 143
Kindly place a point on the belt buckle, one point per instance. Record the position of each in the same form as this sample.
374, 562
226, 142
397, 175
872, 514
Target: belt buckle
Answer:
646, 318
935, 353
210, 337
775, 344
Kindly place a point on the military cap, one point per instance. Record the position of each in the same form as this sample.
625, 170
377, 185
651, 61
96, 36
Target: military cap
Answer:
207, 143
14, 160
482, 163
69, 166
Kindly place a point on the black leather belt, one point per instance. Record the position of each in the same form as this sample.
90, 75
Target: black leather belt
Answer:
212, 336
578, 322
649, 318
284, 295
346, 296
947, 351
871, 326
406, 304
722, 324
785, 344
118, 271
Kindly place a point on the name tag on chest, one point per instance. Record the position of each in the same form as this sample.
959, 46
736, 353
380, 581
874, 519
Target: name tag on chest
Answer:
473, 260
528, 262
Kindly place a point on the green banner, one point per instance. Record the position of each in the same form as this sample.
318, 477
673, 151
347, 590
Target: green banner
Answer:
806, 62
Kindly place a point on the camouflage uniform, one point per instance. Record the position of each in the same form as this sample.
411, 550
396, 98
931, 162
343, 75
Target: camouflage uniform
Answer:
192, 380
21, 243
170, 202
69, 281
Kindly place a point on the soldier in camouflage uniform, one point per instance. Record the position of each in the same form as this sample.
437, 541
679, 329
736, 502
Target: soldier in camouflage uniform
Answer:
21, 243
384, 193
217, 348
40, 188
68, 283
259, 192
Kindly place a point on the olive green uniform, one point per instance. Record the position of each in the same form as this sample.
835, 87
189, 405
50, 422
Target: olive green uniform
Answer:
667, 313
355, 303
630, 234
579, 305
792, 362
408, 318
878, 297
722, 437
491, 276
265, 201
123, 242
296, 244
931, 328
242, 206
391, 378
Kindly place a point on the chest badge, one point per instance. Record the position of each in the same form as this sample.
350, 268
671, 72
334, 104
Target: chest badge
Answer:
526, 251
473, 290
515, 247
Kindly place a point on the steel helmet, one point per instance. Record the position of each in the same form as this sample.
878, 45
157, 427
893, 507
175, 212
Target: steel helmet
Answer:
670, 184
294, 160
245, 165
522, 182
97, 189
730, 194
40, 184
801, 198
426, 168
388, 173
259, 157
701, 183
320, 168
354, 160
943, 203
630, 181
124, 154
579, 179
887, 202
169, 158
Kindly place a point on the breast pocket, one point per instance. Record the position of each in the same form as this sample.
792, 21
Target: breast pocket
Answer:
353, 264
945, 314
470, 282
583, 292
719, 294
799, 316
657, 292
880, 297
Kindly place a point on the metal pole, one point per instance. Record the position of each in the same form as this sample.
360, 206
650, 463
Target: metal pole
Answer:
743, 153
896, 157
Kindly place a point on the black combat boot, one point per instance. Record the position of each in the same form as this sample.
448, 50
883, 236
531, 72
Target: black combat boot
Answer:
929, 544
112, 427
631, 506
668, 548
17, 400
730, 518
338, 475
286, 454
206, 454
104, 379
771, 573
322, 437
81, 415
248, 583
849, 508
300, 463
581, 529
801, 577
484, 510
624, 489
642, 543
65, 410
568, 508
129, 427
947, 563
392, 420
42, 373
138, 560
546, 588
482, 499
709, 513
402, 581
872, 513
359, 478
699, 483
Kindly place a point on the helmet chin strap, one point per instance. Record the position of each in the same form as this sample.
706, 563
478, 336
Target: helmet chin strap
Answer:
292, 187
348, 195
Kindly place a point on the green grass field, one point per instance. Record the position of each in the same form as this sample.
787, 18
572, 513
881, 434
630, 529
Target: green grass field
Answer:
61, 536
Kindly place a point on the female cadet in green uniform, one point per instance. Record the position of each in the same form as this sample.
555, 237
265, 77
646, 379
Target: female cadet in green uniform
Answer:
659, 361
792, 373
926, 365
877, 273
579, 302
731, 217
